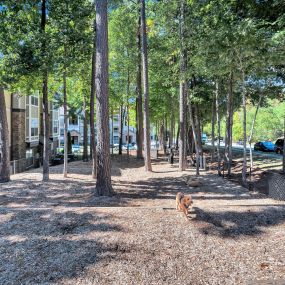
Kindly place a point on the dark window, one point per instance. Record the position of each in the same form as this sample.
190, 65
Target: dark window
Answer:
34, 101
34, 132
73, 121
116, 129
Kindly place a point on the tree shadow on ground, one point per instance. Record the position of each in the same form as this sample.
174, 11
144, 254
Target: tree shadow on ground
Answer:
231, 224
42, 246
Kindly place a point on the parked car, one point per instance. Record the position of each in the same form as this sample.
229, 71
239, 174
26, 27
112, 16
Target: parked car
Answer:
204, 138
264, 146
59, 158
279, 145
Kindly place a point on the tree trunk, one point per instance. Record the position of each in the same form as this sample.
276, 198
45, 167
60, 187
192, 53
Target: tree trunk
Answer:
213, 129
139, 103
146, 90
4, 141
229, 129
103, 184
284, 149
85, 130
112, 132
219, 127
195, 135
65, 161
198, 132
121, 128
244, 164
45, 96
92, 111
128, 112
252, 130
171, 128
182, 101
177, 136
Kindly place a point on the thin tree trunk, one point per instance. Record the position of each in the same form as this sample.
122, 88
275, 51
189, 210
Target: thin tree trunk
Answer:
128, 113
171, 128
65, 161
244, 164
45, 97
182, 101
219, 127
112, 125
103, 184
92, 111
252, 130
198, 133
121, 129
177, 136
85, 130
139, 94
4, 141
213, 129
284, 149
195, 135
146, 90
229, 135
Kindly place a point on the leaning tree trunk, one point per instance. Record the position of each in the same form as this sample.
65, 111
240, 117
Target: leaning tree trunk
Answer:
85, 130
146, 90
182, 99
213, 129
92, 111
251, 132
103, 184
191, 116
65, 115
139, 104
219, 127
45, 96
4, 141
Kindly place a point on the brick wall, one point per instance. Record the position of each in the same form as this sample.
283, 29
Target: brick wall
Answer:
18, 142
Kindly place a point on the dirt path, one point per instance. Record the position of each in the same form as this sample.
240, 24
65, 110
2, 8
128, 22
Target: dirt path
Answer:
57, 233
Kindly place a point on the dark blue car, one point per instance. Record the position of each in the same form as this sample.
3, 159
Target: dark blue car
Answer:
264, 146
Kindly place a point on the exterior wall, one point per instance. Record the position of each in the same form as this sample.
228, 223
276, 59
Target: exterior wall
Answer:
18, 141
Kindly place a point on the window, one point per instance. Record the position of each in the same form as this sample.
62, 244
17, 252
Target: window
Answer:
34, 101
34, 132
55, 127
116, 129
73, 120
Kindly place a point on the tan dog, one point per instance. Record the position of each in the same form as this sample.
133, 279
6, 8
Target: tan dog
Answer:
183, 202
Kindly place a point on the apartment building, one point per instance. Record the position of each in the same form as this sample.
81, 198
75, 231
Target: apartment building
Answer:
76, 127
24, 114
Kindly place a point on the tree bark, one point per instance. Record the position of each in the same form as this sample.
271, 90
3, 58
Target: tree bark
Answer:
146, 90
177, 136
191, 117
252, 130
213, 128
139, 103
112, 132
103, 184
92, 111
182, 100
4, 141
65, 161
219, 127
128, 113
171, 128
45, 96
229, 133
244, 164
284, 149
85, 130
121, 129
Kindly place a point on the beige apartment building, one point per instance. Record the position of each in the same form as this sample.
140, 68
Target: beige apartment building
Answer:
24, 115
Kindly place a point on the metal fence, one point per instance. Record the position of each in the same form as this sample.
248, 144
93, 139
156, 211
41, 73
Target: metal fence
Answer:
276, 185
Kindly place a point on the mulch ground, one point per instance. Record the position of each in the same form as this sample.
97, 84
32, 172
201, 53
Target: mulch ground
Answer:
59, 233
